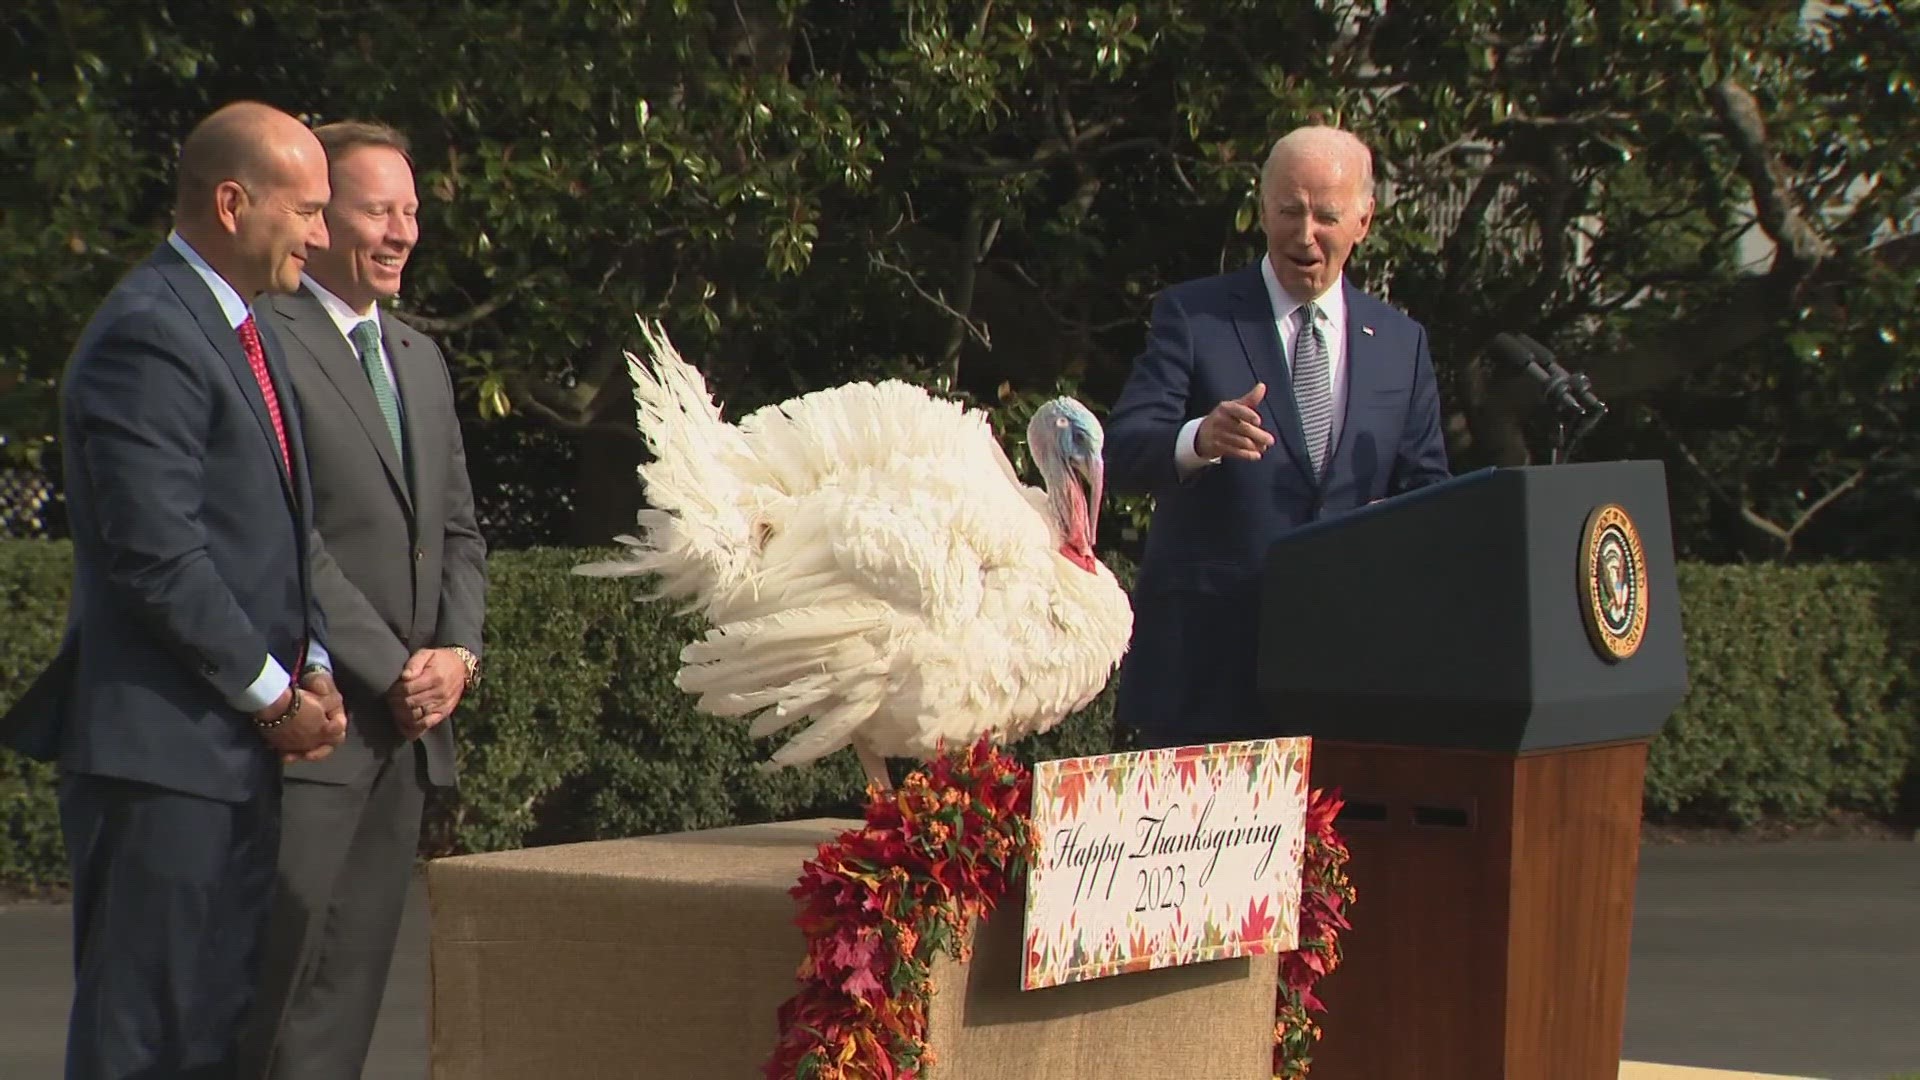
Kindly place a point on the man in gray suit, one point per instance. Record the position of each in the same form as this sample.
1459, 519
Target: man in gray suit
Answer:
400, 572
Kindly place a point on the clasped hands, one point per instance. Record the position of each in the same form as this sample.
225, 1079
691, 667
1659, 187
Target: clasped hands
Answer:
429, 687
427, 690
316, 726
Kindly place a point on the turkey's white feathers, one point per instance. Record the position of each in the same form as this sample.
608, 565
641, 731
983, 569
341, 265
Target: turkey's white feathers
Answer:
869, 563
700, 482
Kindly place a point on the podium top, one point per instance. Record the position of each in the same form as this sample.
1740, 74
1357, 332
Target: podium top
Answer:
1504, 609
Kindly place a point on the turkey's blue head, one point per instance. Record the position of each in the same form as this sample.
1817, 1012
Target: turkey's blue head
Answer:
1064, 441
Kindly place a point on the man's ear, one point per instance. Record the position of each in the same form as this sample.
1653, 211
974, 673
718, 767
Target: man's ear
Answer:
230, 201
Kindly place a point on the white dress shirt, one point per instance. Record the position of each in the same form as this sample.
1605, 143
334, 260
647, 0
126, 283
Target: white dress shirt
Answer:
273, 679
1288, 311
231, 305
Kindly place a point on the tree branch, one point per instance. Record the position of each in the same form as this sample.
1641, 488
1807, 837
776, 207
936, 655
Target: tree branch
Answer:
1479, 201
1466, 228
1562, 194
428, 324
1832, 496
970, 249
979, 333
1752, 309
1047, 156
568, 425
1799, 246
1749, 313
1707, 476
1782, 536
1075, 327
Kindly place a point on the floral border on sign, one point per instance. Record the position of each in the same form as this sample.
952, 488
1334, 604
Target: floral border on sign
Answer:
880, 903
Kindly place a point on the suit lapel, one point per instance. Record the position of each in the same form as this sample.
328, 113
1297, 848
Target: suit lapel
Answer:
276, 355
1360, 366
1254, 321
415, 380
200, 303
315, 329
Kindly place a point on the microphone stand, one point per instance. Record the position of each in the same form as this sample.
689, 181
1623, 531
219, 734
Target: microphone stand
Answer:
1567, 397
1575, 413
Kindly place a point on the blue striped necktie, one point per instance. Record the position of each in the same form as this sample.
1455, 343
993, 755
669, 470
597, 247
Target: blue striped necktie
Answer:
1313, 386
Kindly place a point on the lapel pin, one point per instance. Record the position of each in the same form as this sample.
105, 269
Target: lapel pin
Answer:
1367, 330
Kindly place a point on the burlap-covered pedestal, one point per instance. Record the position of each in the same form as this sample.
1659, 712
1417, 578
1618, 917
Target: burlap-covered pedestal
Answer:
668, 956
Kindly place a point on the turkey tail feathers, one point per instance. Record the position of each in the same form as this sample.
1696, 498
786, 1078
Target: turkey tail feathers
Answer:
697, 535
795, 665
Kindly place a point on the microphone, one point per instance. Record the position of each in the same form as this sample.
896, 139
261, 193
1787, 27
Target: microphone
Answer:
1569, 392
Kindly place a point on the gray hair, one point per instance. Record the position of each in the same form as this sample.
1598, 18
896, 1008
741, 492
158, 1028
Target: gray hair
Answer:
1337, 145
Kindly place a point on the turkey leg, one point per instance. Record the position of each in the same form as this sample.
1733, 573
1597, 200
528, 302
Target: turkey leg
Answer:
876, 767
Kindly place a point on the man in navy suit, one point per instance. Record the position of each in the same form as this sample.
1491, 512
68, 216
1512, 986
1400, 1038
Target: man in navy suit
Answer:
192, 666
1268, 397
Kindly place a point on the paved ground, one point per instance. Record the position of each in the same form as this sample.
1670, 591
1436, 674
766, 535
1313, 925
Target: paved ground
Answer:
1800, 959
1796, 958
1642, 1071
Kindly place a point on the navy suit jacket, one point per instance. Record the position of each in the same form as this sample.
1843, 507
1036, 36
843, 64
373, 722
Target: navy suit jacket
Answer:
1190, 668
189, 544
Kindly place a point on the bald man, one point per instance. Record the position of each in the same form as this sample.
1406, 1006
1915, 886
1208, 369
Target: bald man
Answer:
193, 665
1268, 397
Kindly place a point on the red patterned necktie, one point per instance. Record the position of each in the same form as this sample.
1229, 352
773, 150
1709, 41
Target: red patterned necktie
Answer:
257, 360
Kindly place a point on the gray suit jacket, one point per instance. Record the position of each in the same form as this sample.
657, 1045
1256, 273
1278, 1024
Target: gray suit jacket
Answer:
399, 564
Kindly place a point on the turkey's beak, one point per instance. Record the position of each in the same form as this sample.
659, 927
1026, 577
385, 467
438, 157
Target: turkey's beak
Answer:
1092, 471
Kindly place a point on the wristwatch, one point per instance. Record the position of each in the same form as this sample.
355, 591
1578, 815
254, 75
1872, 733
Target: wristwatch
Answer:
472, 662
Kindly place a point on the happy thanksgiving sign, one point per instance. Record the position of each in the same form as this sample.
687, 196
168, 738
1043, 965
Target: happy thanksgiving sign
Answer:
1165, 857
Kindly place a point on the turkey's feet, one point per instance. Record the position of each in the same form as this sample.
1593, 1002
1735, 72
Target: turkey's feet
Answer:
876, 767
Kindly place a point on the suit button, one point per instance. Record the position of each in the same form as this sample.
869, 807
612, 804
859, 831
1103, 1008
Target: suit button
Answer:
418, 554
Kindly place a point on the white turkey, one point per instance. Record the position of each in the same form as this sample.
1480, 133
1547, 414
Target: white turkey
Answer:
871, 565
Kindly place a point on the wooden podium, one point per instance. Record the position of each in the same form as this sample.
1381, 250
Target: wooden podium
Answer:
1482, 665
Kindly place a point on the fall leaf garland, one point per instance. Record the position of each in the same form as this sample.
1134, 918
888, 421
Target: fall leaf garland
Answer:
1325, 893
881, 902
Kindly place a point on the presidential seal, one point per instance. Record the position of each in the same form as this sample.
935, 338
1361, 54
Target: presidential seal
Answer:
1613, 582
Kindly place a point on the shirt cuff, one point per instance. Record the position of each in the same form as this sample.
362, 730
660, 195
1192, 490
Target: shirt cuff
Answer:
272, 682
317, 655
1185, 458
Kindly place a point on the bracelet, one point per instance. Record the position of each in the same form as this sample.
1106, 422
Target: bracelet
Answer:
293, 706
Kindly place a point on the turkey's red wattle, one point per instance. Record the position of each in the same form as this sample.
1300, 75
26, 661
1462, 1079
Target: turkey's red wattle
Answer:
1082, 559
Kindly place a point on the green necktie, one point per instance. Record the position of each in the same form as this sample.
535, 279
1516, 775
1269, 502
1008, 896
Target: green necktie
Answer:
366, 339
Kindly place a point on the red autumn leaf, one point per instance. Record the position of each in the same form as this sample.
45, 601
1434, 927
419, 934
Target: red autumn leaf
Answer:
1257, 924
1072, 789
863, 985
1186, 764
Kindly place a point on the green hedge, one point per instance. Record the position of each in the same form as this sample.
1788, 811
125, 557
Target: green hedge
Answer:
34, 579
1802, 694
1802, 701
